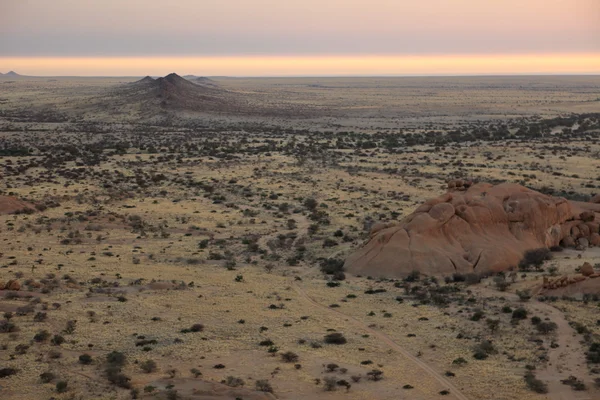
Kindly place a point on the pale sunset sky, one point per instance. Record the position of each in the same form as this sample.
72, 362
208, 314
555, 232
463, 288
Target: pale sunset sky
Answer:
299, 37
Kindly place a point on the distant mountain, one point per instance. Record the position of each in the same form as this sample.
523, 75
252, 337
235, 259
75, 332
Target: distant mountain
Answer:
201, 80
175, 93
10, 75
147, 79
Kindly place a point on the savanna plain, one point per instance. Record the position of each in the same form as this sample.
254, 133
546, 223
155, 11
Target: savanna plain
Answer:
184, 237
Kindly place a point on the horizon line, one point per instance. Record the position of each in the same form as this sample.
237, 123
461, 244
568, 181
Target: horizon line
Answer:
458, 75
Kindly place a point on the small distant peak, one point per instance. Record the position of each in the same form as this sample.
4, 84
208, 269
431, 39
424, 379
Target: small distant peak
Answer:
146, 79
11, 73
206, 82
172, 76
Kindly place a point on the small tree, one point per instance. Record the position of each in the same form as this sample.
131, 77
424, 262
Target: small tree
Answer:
492, 324
289, 356
263, 385
524, 295
234, 381
148, 366
310, 203
331, 367
501, 283
329, 383
375, 375
534, 258
546, 327
535, 384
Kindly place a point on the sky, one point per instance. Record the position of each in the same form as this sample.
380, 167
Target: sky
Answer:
299, 37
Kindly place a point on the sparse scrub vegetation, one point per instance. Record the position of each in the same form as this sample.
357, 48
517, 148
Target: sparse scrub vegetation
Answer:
142, 221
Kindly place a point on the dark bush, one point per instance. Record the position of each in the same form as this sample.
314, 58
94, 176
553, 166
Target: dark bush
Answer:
4, 372
483, 350
289, 356
519, 313
116, 358
593, 354
61, 386
47, 377
7, 326
413, 276
234, 381
148, 366
193, 328
330, 266
263, 385
546, 327
57, 340
85, 359
535, 384
335, 338
339, 276
41, 336
534, 258
375, 375
477, 315
116, 377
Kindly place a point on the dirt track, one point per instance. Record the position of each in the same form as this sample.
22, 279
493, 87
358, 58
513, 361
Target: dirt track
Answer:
444, 383
563, 361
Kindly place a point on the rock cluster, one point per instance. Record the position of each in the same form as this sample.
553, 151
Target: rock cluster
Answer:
587, 273
475, 228
10, 285
562, 281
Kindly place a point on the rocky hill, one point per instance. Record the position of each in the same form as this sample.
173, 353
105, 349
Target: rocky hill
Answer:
173, 92
476, 228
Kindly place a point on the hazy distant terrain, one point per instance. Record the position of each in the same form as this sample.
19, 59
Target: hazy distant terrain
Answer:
385, 102
184, 238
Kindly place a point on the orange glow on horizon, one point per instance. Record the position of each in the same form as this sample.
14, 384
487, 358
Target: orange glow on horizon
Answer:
306, 65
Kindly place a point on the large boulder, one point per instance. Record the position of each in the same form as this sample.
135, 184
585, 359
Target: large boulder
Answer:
472, 228
586, 269
595, 239
12, 285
